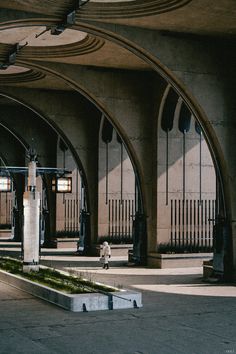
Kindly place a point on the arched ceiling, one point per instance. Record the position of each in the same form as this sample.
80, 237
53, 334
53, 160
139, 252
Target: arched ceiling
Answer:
26, 29
192, 16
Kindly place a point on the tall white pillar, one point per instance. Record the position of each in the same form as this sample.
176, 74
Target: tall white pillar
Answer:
31, 202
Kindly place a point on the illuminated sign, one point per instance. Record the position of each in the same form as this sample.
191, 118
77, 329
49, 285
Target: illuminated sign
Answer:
5, 184
62, 185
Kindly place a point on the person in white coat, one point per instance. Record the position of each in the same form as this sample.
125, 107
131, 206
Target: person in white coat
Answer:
106, 254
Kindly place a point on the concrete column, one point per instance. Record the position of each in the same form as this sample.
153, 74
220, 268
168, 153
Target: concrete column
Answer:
31, 230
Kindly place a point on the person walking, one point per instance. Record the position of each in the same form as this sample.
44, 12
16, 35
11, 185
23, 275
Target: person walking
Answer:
106, 254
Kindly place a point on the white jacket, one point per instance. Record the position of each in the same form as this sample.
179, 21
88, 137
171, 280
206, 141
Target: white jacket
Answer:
106, 251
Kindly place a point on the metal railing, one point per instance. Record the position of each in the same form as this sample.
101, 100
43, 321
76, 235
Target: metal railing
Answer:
71, 214
192, 223
120, 213
5, 208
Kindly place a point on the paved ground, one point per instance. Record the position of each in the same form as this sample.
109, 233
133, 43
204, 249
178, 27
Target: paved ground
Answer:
180, 314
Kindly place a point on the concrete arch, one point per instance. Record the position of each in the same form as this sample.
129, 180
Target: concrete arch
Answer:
182, 90
169, 76
15, 135
68, 143
104, 110
211, 148
157, 66
52, 126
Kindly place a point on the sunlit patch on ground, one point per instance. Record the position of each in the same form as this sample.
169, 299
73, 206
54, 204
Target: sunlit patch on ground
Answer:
191, 289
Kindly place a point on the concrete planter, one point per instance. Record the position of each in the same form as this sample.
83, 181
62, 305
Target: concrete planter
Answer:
176, 260
75, 302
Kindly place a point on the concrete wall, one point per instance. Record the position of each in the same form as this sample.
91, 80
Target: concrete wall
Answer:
176, 175
116, 192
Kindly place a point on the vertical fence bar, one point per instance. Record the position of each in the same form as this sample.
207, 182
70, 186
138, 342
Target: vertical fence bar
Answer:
122, 218
201, 223
6, 207
209, 223
184, 166
0, 207
198, 223
171, 223
194, 222
109, 218
74, 225
107, 172
121, 172
69, 214
65, 214
131, 220
179, 220
128, 217
213, 217
68, 210
167, 166
187, 222
183, 221
77, 198
175, 220
191, 224
205, 231
125, 217
115, 215
119, 220
112, 217
116, 218
200, 167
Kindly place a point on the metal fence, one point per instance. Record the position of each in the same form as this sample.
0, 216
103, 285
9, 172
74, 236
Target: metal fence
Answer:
192, 223
5, 208
71, 215
120, 217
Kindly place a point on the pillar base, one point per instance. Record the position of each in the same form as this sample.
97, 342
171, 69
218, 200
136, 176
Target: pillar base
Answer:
27, 268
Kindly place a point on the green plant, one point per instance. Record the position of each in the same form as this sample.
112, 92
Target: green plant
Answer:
116, 239
67, 234
53, 278
172, 248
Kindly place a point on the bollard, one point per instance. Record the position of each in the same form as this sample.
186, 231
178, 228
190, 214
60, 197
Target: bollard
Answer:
110, 302
84, 308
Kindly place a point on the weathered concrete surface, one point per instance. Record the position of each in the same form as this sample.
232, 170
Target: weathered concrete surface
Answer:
119, 299
168, 323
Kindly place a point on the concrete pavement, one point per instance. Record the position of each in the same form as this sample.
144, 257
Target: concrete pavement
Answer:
180, 314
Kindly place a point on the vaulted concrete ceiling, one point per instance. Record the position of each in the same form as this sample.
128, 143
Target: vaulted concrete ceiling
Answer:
29, 23
192, 16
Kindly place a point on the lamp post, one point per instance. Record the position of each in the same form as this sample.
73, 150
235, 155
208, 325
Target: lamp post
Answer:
31, 204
